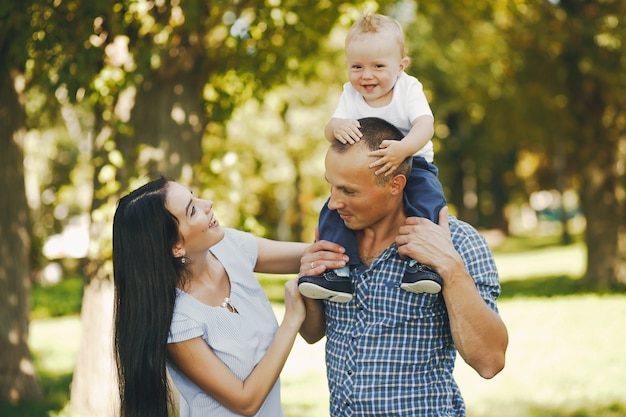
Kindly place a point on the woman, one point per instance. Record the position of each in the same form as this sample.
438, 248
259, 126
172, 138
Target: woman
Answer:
186, 299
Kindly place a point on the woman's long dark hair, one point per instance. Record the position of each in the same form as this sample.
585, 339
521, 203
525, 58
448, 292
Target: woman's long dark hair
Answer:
145, 275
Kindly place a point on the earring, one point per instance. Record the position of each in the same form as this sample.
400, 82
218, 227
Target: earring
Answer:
183, 260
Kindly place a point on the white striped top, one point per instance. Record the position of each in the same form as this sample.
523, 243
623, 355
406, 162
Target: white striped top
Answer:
239, 340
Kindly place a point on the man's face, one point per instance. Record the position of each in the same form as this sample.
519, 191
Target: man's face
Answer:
359, 201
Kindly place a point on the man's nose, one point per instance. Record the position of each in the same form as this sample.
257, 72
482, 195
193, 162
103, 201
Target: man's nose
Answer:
333, 202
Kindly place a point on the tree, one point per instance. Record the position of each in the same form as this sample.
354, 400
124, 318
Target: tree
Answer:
18, 379
539, 78
571, 65
139, 65
465, 68
162, 71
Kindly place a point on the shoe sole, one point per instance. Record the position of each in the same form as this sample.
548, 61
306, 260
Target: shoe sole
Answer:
318, 293
419, 287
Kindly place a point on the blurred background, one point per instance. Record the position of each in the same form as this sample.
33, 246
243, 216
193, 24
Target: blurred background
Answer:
231, 98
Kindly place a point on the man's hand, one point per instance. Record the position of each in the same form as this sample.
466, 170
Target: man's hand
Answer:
427, 242
320, 256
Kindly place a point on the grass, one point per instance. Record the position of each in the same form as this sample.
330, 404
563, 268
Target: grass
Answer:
560, 363
565, 357
54, 343
57, 300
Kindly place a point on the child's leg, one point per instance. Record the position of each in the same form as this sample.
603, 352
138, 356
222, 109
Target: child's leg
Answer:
333, 229
333, 285
423, 197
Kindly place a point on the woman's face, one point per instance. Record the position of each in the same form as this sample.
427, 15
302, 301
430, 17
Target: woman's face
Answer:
197, 226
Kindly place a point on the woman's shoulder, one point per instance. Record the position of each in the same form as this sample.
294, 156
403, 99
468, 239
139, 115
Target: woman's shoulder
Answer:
237, 242
237, 236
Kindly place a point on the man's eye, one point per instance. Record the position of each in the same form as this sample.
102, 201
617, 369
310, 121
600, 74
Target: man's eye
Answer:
193, 210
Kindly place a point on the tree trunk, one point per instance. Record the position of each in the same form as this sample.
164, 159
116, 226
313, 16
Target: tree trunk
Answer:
595, 104
604, 219
18, 379
94, 387
94, 390
168, 117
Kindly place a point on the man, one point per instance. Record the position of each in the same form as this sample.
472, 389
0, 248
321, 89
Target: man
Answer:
389, 351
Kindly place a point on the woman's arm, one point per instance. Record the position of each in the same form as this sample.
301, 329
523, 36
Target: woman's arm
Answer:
200, 364
276, 257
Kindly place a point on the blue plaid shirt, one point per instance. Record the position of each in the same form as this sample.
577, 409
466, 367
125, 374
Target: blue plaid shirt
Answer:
390, 352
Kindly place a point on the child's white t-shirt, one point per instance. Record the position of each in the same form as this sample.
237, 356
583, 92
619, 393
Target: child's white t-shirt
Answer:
407, 104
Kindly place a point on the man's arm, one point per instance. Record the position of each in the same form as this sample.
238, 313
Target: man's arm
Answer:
479, 334
314, 326
317, 258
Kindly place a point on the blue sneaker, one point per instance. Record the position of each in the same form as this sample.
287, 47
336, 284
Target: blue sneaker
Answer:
332, 285
419, 278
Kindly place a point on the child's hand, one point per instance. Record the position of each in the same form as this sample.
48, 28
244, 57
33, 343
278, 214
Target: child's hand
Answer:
347, 131
391, 154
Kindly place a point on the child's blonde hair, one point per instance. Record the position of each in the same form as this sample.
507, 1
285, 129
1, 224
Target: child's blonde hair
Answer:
371, 23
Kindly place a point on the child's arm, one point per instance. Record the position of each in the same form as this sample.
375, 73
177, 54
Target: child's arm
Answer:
343, 130
393, 152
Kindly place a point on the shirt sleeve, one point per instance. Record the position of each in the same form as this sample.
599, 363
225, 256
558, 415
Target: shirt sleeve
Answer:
417, 104
183, 328
345, 106
478, 260
242, 243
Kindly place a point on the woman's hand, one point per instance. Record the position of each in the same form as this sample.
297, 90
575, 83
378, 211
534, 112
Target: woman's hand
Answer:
294, 304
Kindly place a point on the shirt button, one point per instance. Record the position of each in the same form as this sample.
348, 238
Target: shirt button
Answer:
349, 372
346, 403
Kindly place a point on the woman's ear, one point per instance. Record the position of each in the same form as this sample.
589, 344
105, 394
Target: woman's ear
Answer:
178, 250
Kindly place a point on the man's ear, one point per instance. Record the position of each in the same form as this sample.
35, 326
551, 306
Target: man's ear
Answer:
397, 184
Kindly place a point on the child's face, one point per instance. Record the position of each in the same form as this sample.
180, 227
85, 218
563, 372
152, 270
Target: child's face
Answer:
374, 63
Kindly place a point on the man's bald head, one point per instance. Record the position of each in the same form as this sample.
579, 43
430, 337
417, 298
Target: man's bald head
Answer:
375, 131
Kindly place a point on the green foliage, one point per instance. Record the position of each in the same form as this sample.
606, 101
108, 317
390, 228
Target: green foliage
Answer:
62, 299
55, 388
274, 286
13, 37
542, 287
532, 242
614, 409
